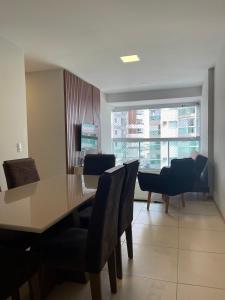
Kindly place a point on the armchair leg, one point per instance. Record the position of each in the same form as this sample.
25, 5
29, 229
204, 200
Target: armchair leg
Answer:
167, 199
112, 272
149, 200
95, 282
182, 200
129, 240
119, 266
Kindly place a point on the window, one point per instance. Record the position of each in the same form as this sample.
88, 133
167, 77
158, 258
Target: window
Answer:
155, 136
139, 130
173, 124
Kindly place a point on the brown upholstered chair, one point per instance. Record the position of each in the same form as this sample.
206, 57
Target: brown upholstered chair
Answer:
17, 267
89, 250
94, 164
20, 172
125, 212
97, 164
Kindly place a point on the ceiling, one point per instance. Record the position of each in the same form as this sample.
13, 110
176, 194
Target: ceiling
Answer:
177, 40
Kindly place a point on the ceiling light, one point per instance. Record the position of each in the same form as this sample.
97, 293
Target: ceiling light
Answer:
130, 58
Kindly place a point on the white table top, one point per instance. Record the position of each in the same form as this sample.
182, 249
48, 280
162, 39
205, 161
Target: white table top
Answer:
37, 206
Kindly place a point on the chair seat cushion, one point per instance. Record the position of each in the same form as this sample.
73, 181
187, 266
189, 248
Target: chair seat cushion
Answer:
65, 250
16, 267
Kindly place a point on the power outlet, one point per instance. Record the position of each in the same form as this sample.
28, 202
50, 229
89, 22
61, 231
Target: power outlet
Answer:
19, 147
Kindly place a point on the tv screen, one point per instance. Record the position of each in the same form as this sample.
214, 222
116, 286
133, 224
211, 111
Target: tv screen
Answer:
89, 138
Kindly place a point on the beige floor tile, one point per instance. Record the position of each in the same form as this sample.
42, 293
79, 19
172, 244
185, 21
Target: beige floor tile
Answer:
189, 292
202, 240
130, 287
139, 204
201, 268
202, 222
155, 235
151, 261
157, 218
133, 288
71, 291
200, 208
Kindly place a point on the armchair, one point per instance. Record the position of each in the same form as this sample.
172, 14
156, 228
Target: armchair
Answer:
177, 179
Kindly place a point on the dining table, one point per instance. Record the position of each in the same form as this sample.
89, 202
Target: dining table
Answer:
38, 206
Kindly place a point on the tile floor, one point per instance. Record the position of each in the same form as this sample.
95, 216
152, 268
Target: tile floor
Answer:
179, 256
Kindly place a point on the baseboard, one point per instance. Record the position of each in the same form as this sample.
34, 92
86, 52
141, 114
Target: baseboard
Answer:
217, 206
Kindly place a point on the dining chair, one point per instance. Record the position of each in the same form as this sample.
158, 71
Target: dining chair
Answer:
17, 267
89, 250
125, 213
20, 172
96, 164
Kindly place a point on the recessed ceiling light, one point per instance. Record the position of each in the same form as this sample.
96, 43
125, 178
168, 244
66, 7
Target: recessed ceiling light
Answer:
130, 58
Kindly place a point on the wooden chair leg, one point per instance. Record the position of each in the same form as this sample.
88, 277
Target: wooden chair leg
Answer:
129, 240
119, 268
95, 282
112, 273
167, 199
15, 295
182, 200
34, 285
149, 200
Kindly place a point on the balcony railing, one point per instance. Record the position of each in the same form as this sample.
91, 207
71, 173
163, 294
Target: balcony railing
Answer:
154, 153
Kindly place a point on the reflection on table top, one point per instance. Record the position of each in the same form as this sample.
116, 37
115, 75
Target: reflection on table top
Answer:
37, 206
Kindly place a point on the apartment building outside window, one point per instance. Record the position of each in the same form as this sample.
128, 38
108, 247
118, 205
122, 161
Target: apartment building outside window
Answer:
156, 135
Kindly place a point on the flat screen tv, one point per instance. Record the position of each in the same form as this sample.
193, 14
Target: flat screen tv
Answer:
87, 137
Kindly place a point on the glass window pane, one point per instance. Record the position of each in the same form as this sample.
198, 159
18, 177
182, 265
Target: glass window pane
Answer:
165, 123
156, 123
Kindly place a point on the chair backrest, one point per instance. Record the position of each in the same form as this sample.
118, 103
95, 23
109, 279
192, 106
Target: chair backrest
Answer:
20, 172
127, 196
183, 167
103, 229
200, 164
181, 175
97, 164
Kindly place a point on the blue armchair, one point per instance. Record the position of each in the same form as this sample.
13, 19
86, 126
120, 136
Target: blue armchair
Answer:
177, 179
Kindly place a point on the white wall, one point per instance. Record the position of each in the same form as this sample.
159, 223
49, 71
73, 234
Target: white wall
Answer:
173, 93
46, 121
13, 117
105, 117
219, 133
204, 118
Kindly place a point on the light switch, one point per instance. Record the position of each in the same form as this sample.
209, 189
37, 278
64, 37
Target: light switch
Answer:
19, 147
